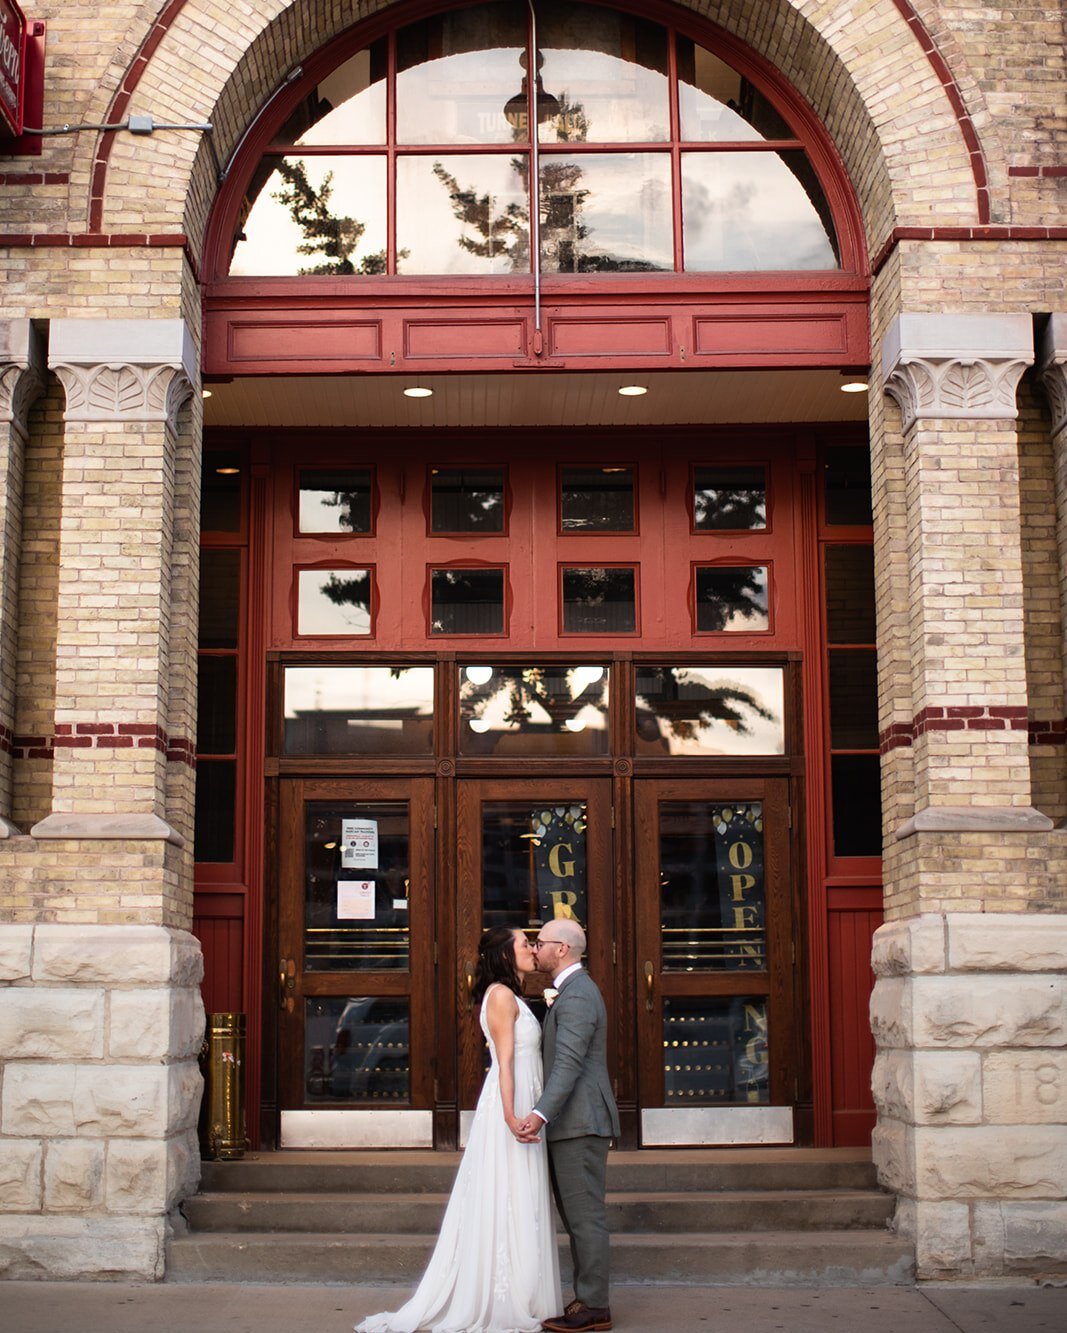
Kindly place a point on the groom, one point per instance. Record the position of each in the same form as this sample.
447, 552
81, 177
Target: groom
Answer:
580, 1118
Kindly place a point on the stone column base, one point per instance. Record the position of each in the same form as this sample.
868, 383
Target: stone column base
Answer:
969, 1013
100, 1029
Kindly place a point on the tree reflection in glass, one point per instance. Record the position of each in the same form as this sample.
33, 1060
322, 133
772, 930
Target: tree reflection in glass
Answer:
731, 598
729, 499
709, 710
335, 501
330, 238
334, 601
551, 709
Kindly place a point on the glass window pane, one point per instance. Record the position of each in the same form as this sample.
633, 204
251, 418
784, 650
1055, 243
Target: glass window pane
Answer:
456, 73
729, 499
712, 911
357, 1049
732, 599
597, 499
715, 1051
216, 705
857, 804
850, 594
338, 500
462, 215
599, 600
467, 601
506, 710
333, 601
356, 898
220, 493
854, 699
608, 73
220, 598
606, 214
710, 710
533, 863
314, 215
467, 499
746, 211
719, 105
216, 788
848, 486
358, 710
345, 107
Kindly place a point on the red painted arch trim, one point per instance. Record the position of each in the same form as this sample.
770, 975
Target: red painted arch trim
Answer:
119, 103
899, 234
952, 91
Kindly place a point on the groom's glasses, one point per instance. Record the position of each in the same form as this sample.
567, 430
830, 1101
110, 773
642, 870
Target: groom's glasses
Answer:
540, 943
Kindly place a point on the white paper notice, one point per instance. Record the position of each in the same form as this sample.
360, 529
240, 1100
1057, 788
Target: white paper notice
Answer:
355, 900
359, 844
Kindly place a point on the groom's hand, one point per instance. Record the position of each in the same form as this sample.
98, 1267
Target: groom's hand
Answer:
528, 1130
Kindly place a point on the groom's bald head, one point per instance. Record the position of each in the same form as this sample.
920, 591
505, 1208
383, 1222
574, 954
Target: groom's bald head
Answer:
570, 933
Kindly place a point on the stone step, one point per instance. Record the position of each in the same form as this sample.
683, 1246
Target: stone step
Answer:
825, 1258
659, 1212
674, 1170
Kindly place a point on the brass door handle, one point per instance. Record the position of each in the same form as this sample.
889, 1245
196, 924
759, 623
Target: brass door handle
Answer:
287, 983
649, 985
469, 978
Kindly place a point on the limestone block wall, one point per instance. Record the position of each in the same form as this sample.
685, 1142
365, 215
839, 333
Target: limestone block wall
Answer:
970, 1015
100, 1029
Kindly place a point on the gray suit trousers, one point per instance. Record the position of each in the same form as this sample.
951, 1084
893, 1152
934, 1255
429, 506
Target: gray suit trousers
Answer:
578, 1169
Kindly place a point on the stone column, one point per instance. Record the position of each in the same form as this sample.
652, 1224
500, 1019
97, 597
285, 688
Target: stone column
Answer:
100, 1013
21, 381
969, 1008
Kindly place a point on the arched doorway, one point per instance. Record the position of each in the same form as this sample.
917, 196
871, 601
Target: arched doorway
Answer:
380, 233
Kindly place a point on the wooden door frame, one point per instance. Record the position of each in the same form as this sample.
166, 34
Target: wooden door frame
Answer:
596, 792
780, 892
416, 982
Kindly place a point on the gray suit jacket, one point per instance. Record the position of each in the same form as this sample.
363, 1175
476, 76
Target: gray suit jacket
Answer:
577, 1097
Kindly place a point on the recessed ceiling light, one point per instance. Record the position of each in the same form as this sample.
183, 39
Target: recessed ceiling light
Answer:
633, 390
854, 382
416, 391
479, 675
205, 393
227, 471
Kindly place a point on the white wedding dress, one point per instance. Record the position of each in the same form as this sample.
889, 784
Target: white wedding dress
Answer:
494, 1268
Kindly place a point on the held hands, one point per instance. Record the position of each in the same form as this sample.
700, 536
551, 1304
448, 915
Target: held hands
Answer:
527, 1130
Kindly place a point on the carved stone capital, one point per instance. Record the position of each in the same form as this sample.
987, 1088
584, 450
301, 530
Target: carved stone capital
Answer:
22, 372
123, 369
956, 367
1053, 367
123, 392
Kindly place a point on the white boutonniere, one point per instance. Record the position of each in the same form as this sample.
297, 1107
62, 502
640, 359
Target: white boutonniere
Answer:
550, 994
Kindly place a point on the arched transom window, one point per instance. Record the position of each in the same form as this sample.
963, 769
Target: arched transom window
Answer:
413, 156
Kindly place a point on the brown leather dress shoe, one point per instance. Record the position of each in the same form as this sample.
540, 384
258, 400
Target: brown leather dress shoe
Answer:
578, 1318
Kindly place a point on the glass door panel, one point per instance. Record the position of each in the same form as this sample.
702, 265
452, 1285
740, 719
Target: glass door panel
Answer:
528, 852
355, 973
713, 952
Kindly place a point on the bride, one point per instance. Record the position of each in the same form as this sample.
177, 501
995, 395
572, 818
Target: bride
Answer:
494, 1268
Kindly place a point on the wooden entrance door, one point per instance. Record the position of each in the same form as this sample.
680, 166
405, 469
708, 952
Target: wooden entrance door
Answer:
714, 961
528, 851
355, 973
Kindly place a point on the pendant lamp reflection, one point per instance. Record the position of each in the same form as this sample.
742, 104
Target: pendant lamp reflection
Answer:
517, 108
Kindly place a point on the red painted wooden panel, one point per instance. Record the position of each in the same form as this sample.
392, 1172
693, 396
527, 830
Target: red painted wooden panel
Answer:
851, 1042
466, 338
602, 335
222, 940
733, 334
302, 339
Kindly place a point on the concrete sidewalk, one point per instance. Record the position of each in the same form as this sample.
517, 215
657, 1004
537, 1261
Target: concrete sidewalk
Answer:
105, 1307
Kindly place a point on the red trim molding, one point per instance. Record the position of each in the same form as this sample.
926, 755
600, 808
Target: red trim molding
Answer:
104, 736
972, 718
34, 177
1037, 171
1006, 233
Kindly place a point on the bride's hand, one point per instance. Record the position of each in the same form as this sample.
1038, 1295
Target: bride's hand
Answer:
522, 1129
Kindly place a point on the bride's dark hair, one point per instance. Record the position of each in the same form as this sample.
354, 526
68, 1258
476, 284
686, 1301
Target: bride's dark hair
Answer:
496, 962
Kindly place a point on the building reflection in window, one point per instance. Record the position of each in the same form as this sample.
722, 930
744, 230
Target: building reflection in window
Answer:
524, 710
357, 710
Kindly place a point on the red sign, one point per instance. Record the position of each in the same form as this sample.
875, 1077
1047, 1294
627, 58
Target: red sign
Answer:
12, 64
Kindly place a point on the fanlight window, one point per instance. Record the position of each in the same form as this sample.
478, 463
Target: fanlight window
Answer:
414, 156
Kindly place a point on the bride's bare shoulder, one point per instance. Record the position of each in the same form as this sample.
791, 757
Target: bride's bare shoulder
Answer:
501, 999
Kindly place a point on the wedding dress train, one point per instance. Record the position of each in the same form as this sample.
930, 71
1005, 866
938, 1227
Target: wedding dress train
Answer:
494, 1268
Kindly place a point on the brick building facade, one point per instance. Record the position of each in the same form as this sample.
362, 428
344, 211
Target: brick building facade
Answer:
947, 123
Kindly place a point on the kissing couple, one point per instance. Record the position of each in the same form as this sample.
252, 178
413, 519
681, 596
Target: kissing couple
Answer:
542, 1116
